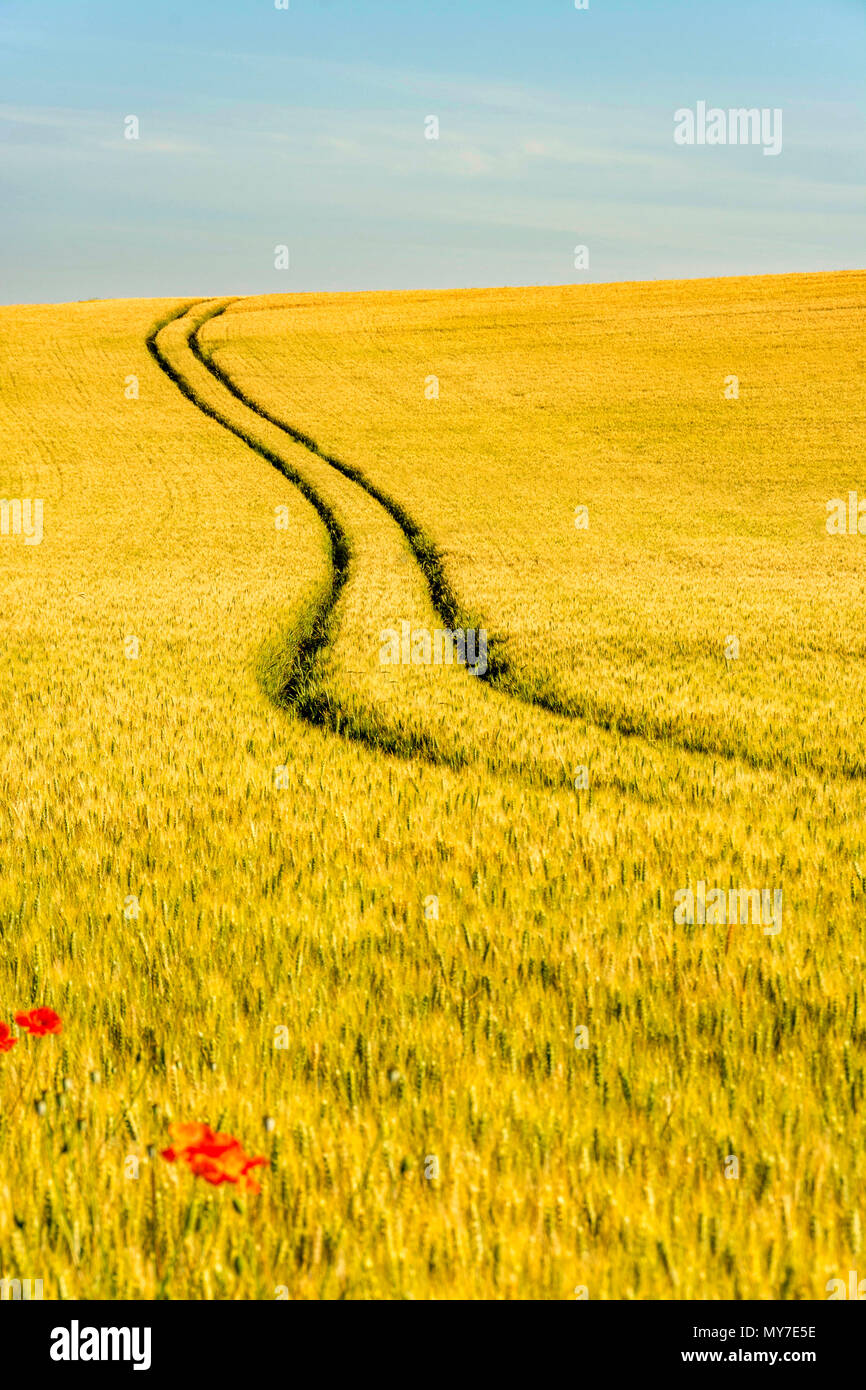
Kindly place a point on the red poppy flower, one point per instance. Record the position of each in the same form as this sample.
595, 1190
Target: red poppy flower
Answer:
232, 1165
186, 1137
39, 1022
7, 1042
217, 1158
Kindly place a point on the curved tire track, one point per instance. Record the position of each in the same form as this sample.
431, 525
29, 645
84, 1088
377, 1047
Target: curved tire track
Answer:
375, 576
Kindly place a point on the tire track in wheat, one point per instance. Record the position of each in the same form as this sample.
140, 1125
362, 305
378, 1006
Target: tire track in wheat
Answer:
328, 670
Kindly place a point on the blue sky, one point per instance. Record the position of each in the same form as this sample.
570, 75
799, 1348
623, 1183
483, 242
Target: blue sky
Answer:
306, 128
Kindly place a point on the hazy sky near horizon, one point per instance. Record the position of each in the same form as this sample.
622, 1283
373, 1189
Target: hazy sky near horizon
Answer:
306, 128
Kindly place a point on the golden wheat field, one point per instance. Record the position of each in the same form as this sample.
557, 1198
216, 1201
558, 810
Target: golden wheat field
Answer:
412, 934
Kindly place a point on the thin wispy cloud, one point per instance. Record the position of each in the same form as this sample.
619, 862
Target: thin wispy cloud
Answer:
256, 131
